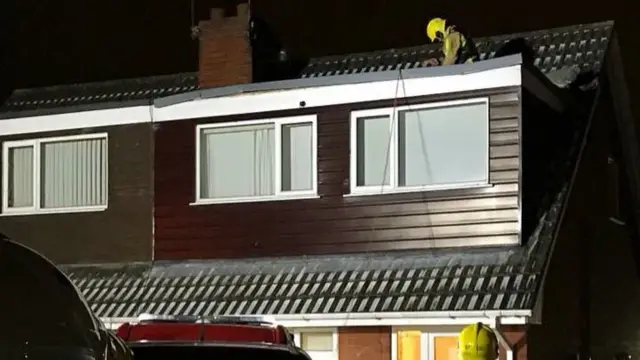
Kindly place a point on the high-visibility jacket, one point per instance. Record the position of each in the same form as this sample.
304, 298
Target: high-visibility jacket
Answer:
457, 48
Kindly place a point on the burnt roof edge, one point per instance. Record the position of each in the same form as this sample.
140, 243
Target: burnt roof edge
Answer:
627, 130
300, 83
538, 301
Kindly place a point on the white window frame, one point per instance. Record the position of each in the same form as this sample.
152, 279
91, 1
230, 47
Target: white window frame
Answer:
37, 148
427, 341
393, 113
279, 194
334, 331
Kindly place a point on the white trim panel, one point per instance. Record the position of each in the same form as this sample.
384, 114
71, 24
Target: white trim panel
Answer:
279, 194
291, 99
76, 120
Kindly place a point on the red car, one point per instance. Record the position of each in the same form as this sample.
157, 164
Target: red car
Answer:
196, 338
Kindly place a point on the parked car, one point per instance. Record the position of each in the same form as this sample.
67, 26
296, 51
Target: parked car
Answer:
197, 338
43, 315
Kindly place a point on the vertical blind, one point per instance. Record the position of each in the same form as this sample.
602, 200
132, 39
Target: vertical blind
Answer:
73, 173
20, 177
240, 161
372, 141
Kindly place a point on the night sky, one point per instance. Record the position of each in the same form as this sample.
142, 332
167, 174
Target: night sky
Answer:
49, 42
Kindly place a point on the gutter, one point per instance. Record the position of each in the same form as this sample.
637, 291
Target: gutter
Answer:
425, 318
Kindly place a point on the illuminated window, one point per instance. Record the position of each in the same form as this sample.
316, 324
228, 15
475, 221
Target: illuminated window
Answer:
409, 345
444, 347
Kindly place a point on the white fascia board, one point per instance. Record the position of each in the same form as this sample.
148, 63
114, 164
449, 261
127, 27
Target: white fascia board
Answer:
507, 317
76, 120
291, 99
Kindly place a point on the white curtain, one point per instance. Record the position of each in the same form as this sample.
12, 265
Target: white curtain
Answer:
74, 173
20, 177
237, 161
297, 157
373, 134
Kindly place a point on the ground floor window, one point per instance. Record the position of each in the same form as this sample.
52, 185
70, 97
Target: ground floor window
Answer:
422, 344
320, 343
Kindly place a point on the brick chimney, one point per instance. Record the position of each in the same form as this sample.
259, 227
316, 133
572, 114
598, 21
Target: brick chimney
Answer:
225, 49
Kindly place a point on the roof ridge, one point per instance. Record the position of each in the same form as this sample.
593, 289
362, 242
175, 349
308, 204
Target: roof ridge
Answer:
430, 46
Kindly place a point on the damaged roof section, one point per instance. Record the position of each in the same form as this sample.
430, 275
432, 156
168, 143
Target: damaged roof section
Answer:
470, 279
579, 45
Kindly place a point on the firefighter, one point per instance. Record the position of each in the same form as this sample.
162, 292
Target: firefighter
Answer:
477, 342
456, 47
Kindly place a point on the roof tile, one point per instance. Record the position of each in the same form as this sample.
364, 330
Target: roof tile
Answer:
483, 279
581, 45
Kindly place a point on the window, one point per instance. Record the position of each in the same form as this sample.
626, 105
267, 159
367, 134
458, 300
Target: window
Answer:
320, 344
419, 148
444, 347
257, 160
409, 345
55, 174
415, 344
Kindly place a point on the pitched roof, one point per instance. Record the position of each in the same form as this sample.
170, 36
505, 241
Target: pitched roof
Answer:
119, 92
581, 45
448, 280
437, 280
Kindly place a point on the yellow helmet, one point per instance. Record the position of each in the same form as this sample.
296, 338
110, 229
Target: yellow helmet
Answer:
436, 25
477, 342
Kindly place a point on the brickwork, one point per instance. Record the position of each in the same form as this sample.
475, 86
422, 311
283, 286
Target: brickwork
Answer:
225, 50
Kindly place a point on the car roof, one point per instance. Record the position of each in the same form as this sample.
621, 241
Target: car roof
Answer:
227, 329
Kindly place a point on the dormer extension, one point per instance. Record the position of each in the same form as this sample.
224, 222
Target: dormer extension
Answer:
397, 159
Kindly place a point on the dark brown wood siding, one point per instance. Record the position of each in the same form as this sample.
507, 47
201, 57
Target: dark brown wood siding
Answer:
122, 232
333, 223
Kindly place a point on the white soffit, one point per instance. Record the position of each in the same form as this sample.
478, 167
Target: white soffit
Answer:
75, 120
290, 99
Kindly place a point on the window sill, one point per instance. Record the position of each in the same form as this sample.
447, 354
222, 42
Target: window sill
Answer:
254, 199
369, 192
53, 211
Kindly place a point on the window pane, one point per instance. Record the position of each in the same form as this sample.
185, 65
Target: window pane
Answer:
297, 157
237, 161
74, 173
444, 145
409, 345
20, 180
372, 150
445, 348
316, 341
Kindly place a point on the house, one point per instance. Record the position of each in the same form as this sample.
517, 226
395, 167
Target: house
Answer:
352, 237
